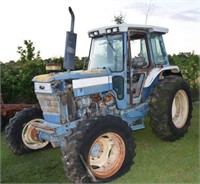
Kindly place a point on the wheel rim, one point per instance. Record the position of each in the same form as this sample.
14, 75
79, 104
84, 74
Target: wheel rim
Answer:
30, 136
106, 155
180, 109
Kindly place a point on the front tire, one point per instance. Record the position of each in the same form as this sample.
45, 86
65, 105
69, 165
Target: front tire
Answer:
171, 108
3, 123
102, 149
21, 136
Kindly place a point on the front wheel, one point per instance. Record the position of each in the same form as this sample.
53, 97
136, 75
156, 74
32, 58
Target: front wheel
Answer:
3, 123
171, 108
21, 136
100, 150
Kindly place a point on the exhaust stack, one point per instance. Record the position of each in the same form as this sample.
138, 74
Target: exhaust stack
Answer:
70, 45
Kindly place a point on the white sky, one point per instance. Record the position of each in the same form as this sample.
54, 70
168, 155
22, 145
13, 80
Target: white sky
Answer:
45, 22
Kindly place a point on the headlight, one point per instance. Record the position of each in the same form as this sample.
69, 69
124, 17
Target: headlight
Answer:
43, 87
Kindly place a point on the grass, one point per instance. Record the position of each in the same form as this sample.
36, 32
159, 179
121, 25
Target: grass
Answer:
156, 161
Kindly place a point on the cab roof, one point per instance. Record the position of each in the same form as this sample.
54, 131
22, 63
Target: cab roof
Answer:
125, 27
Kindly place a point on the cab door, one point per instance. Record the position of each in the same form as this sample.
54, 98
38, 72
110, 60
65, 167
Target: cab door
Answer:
139, 64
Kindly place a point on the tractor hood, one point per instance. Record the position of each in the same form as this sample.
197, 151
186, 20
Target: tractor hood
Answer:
79, 74
84, 82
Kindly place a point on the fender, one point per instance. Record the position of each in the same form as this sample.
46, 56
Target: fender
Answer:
156, 71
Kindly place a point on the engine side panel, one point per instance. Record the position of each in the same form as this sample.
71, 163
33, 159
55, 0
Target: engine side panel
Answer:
93, 85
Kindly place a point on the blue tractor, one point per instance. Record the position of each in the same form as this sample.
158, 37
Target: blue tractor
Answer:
90, 114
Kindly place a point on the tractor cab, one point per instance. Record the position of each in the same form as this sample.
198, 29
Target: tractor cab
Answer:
130, 52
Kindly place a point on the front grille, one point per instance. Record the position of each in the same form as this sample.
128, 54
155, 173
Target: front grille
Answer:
48, 103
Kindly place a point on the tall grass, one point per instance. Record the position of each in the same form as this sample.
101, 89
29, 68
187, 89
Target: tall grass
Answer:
156, 161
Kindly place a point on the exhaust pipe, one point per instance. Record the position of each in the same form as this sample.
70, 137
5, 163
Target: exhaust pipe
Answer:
70, 45
72, 19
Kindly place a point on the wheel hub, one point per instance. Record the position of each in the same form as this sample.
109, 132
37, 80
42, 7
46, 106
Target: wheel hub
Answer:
30, 135
180, 109
97, 150
106, 155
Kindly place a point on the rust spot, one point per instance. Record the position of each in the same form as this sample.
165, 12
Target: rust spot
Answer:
34, 134
44, 78
92, 71
9, 110
108, 98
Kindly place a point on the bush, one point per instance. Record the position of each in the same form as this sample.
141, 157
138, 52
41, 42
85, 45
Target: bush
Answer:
189, 65
16, 81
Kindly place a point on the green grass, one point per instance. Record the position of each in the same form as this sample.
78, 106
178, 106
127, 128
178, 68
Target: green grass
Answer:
156, 161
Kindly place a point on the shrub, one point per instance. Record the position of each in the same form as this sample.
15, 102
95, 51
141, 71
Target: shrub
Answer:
16, 81
189, 65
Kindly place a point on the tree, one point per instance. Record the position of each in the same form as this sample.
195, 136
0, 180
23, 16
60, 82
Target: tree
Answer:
28, 54
119, 19
148, 11
16, 85
78, 63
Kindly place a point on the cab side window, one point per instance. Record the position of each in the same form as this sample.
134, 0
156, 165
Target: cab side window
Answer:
139, 53
159, 54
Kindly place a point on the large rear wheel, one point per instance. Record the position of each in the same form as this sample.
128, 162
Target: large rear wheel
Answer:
99, 150
171, 108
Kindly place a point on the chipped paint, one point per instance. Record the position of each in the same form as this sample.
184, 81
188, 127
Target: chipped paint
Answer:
92, 71
44, 78
156, 71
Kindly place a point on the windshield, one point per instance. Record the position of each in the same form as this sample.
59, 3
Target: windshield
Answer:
107, 52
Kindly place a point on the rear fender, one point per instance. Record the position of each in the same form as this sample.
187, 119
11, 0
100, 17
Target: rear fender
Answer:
157, 71
153, 78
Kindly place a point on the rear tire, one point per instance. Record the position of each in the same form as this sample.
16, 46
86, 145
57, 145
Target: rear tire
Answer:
20, 134
171, 108
99, 150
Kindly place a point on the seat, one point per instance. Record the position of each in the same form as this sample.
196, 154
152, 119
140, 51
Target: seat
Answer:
139, 62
